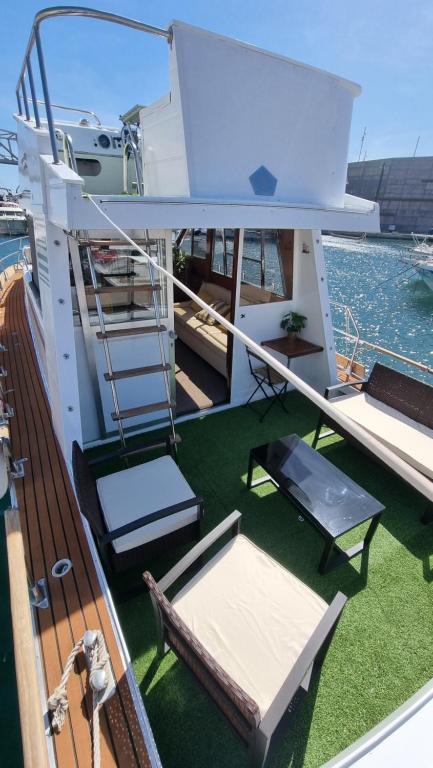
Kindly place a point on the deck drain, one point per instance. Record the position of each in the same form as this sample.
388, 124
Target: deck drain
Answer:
61, 568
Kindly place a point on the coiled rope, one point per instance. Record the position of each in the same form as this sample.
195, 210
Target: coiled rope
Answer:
93, 643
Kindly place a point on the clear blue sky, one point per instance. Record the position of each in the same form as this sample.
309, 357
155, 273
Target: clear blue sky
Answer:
385, 45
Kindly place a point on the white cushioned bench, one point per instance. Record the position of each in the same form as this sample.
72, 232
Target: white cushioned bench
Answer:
410, 440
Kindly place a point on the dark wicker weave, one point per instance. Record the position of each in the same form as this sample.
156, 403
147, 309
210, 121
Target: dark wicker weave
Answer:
239, 708
90, 507
405, 394
411, 397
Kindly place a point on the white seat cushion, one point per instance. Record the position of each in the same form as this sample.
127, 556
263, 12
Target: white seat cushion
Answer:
411, 441
252, 615
132, 493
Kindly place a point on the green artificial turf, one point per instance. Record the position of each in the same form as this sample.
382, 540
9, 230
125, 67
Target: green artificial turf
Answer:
382, 651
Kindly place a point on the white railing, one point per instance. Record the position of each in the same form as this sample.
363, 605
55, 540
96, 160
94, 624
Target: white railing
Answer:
350, 332
26, 73
353, 337
15, 258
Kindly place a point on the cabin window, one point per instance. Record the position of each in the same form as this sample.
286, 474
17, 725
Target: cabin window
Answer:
223, 249
193, 242
199, 250
88, 167
267, 266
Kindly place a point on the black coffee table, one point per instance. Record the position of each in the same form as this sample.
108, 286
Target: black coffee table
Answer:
327, 498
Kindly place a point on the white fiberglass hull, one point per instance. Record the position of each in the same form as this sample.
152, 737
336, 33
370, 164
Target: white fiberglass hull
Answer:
425, 271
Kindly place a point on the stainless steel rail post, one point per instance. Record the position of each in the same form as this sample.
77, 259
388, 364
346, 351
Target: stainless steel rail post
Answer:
33, 92
26, 103
46, 97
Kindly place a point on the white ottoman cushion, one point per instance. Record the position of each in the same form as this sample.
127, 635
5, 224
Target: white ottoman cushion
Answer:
132, 493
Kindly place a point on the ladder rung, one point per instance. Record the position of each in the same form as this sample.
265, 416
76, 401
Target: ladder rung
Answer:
121, 289
128, 373
129, 413
128, 450
131, 331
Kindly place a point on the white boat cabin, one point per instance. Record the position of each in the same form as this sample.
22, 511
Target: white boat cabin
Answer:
229, 180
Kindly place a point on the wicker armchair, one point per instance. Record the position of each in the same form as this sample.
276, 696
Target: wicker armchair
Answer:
139, 511
256, 671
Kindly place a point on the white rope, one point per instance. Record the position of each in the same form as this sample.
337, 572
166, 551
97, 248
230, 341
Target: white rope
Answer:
58, 701
99, 659
401, 467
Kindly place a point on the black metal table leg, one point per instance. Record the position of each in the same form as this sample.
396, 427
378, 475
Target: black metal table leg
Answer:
371, 530
324, 565
427, 516
250, 470
331, 559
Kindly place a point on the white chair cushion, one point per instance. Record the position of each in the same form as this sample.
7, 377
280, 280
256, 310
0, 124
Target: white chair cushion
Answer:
411, 441
252, 615
132, 493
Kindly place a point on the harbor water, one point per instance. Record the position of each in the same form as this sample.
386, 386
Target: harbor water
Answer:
392, 306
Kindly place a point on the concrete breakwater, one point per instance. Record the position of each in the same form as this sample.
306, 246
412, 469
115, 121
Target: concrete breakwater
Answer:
403, 187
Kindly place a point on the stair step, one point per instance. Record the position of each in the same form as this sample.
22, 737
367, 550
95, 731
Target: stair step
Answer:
103, 289
128, 373
131, 331
129, 413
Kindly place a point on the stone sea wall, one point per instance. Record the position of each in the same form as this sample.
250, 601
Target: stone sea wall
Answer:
403, 186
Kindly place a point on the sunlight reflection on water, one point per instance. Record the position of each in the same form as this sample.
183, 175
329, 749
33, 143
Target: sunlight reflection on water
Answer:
392, 307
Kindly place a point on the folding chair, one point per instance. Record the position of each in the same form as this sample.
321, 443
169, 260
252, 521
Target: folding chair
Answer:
265, 376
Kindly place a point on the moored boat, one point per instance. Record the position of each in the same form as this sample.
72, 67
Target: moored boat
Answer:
105, 365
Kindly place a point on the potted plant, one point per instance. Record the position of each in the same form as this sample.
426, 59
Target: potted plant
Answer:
293, 322
180, 259
179, 262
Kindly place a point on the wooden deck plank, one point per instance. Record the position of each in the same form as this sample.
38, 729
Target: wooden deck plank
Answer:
65, 599
53, 529
27, 501
123, 717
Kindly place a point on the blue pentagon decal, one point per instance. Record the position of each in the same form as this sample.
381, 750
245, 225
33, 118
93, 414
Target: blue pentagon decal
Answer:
263, 182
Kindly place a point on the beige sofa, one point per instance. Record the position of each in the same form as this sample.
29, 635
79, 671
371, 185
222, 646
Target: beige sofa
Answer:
208, 341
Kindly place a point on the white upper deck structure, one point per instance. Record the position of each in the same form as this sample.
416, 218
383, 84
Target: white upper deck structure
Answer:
244, 124
245, 137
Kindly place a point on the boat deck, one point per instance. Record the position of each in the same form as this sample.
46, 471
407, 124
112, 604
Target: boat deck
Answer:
52, 529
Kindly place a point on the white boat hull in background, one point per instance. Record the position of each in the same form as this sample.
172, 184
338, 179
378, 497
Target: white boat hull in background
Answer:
425, 271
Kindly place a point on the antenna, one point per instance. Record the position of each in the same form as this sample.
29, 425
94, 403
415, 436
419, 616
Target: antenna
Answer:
362, 143
416, 146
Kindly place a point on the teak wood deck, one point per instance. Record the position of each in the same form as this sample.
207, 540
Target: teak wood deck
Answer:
52, 529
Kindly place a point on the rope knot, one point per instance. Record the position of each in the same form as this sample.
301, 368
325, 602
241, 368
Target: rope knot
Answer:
94, 645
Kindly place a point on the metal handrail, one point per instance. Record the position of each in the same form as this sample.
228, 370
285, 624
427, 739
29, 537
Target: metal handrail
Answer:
16, 263
68, 151
35, 39
383, 350
130, 145
358, 342
7, 155
71, 109
349, 319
